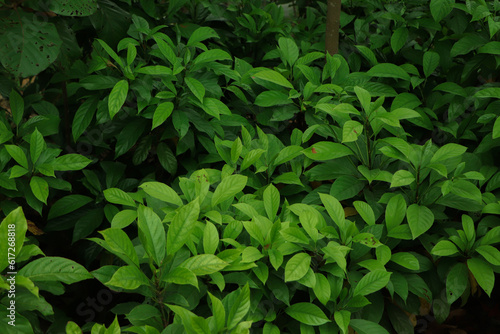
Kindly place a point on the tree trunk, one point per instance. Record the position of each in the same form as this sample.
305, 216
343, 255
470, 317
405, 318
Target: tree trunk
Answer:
332, 26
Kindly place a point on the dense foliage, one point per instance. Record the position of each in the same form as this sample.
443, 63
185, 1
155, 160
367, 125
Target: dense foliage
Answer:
192, 166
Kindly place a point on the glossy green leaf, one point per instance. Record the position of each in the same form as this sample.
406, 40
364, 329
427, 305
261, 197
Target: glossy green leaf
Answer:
162, 192
274, 77
297, 267
196, 87
54, 269
240, 307
40, 188
119, 243
406, 260
324, 150
420, 219
204, 264
163, 110
271, 199
342, 318
307, 313
69, 162
228, 188
395, 211
182, 276
151, 233
181, 226
372, 282
351, 131
17, 154
14, 222
456, 282
118, 196
444, 248
362, 326
483, 273
117, 97
402, 178
129, 278
68, 204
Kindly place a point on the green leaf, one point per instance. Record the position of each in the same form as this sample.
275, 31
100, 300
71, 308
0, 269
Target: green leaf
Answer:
167, 158
110, 52
182, 226
402, 178
129, 278
467, 43
117, 97
334, 209
68, 204
40, 188
201, 34
204, 264
398, 39
372, 282
456, 282
287, 153
365, 211
14, 222
444, 248
420, 219
395, 211
240, 307
16, 106
388, 70
272, 98
37, 145
342, 318
406, 260
70, 162
362, 326
322, 288
73, 8
182, 276
161, 114
55, 269
496, 129
83, 117
441, 8
289, 50
196, 87
308, 314
27, 48
324, 150
351, 131
251, 157
364, 98
271, 199
123, 218
490, 92
228, 188
119, 243
430, 62
466, 189
151, 233
297, 267
236, 149
17, 154
490, 253
274, 77
211, 56
162, 192
210, 238
483, 273
118, 196
368, 54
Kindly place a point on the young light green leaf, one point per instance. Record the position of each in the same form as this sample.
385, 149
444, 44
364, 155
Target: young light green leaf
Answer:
70, 162
402, 178
162, 192
118, 196
218, 311
297, 267
129, 278
448, 151
240, 307
342, 318
182, 276
182, 225
307, 313
236, 149
161, 114
365, 211
14, 218
196, 87
334, 209
444, 248
395, 211
210, 238
420, 219
324, 150
54, 269
117, 97
406, 260
274, 77
40, 188
121, 245
37, 145
251, 157
286, 154
364, 98
483, 273
204, 264
151, 233
17, 154
271, 199
351, 131
228, 188
322, 288
372, 282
